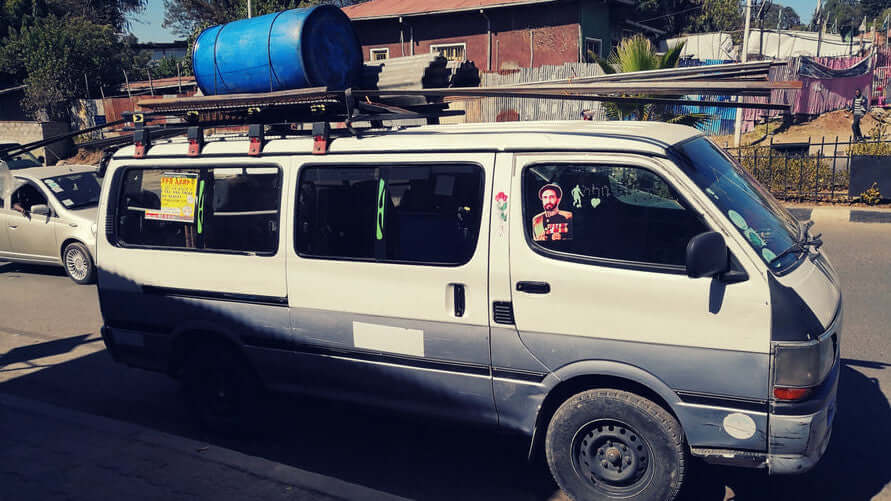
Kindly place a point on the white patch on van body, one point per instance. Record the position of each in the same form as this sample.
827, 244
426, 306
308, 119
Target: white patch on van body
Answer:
388, 339
739, 426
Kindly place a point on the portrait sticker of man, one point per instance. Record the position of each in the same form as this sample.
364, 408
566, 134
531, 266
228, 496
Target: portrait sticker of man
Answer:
553, 223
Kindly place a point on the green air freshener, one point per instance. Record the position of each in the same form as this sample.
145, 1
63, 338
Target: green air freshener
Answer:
200, 207
381, 202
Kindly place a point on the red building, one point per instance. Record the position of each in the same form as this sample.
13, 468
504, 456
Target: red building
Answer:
494, 34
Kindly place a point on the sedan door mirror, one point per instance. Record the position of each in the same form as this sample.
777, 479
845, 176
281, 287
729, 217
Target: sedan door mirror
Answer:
41, 210
707, 255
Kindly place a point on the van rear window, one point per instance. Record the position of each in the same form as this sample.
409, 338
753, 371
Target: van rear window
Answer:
420, 214
214, 209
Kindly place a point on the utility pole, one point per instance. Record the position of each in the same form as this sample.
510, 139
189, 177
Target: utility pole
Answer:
737, 129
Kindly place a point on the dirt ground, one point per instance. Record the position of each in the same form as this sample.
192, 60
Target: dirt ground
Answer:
83, 157
828, 126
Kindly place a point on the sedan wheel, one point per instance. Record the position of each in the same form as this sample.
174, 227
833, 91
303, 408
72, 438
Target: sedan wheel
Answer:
78, 263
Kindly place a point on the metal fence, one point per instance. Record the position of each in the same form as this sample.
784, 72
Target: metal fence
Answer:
505, 109
815, 171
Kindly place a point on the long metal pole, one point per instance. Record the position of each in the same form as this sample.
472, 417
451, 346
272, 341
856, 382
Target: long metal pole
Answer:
737, 128
250, 14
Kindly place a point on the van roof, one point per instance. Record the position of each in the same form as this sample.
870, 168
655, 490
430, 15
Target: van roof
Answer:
53, 171
644, 137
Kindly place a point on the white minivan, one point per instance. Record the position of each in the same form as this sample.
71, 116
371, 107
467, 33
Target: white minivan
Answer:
622, 293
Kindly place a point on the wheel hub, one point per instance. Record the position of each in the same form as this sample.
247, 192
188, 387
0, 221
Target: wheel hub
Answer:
611, 455
77, 265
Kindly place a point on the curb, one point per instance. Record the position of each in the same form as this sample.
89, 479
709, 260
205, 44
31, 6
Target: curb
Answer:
841, 214
259, 467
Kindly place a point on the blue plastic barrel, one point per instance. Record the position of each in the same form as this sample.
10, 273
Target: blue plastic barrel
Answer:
312, 47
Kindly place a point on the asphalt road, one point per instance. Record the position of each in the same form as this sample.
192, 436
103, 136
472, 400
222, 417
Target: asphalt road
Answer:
50, 351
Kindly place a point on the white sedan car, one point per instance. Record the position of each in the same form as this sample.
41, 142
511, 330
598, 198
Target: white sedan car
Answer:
48, 216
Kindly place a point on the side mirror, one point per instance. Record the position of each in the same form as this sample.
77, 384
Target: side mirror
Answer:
41, 159
707, 255
40, 210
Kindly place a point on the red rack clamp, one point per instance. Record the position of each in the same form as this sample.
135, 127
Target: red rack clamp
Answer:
142, 141
196, 141
321, 135
257, 139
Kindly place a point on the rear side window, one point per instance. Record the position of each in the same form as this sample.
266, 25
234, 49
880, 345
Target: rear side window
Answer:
215, 209
421, 214
609, 212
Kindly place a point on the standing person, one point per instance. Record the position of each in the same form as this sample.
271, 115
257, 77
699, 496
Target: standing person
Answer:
859, 106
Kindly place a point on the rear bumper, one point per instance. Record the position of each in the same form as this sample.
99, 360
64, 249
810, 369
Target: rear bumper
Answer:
109, 343
148, 351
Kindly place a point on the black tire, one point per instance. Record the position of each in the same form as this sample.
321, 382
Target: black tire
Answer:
222, 389
78, 263
639, 448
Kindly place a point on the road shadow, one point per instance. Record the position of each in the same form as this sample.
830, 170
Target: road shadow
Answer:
26, 354
430, 460
31, 269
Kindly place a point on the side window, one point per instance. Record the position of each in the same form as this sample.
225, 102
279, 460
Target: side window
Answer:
609, 212
423, 214
234, 209
25, 197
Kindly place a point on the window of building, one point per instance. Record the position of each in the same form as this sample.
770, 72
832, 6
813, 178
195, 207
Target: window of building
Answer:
215, 209
608, 212
451, 51
422, 214
379, 54
593, 49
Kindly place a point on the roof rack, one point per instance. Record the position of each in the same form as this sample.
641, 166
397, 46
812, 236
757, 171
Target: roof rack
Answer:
283, 109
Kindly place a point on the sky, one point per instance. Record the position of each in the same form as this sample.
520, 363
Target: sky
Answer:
147, 25
804, 8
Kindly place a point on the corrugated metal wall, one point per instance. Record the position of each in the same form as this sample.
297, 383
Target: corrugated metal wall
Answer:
498, 109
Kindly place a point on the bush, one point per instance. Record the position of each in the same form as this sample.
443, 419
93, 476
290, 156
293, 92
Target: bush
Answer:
874, 148
792, 175
872, 196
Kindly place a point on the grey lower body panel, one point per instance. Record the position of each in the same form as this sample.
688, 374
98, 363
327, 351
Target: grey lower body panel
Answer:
798, 442
706, 371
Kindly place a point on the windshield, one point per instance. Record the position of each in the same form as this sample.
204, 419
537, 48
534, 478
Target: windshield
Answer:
75, 190
766, 225
22, 161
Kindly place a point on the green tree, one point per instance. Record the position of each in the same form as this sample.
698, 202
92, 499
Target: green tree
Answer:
166, 67
717, 15
183, 17
789, 17
56, 58
842, 15
673, 16
638, 54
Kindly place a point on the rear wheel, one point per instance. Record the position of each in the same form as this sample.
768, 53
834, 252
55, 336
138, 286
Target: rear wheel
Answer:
222, 389
78, 263
611, 444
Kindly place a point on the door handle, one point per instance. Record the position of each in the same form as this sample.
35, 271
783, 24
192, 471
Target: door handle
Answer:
13, 226
459, 299
534, 287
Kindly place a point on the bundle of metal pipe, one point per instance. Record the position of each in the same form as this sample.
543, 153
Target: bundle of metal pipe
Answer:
757, 70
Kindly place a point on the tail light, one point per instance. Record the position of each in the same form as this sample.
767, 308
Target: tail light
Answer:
801, 367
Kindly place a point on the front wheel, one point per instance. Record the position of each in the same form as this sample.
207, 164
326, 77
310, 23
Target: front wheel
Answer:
78, 263
609, 444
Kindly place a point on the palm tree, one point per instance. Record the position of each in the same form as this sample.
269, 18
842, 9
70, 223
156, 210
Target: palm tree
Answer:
637, 54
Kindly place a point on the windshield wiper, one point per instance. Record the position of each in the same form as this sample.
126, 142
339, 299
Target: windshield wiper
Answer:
797, 247
801, 247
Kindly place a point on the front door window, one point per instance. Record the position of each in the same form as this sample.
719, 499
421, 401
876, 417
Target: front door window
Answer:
606, 212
